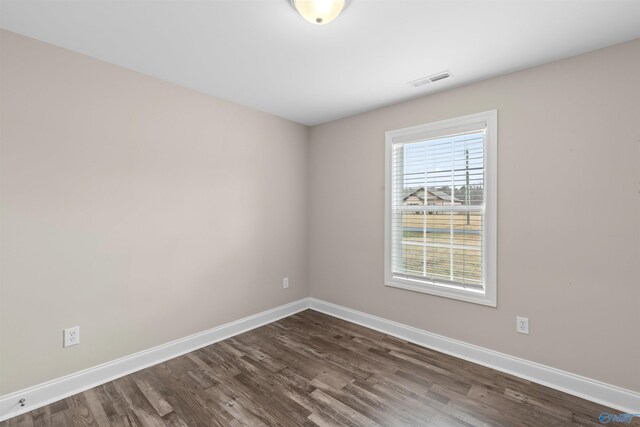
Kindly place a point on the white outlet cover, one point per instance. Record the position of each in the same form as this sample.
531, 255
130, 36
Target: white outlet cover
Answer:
71, 336
522, 325
285, 283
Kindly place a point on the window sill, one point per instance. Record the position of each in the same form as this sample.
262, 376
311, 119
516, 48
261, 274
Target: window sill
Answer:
476, 297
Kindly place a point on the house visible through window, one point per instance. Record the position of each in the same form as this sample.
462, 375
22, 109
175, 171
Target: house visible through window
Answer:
440, 218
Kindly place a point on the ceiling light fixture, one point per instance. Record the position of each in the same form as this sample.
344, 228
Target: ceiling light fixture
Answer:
319, 12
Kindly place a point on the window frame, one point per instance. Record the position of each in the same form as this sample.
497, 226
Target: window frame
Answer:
489, 296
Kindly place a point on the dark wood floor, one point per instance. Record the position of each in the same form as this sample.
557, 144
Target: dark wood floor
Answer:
312, 369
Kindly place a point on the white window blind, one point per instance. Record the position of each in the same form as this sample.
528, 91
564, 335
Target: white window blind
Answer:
437, 237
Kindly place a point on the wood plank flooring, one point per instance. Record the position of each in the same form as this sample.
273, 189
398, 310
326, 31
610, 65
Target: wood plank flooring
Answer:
312, 369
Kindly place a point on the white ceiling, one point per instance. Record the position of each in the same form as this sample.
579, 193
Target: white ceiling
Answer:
260, 53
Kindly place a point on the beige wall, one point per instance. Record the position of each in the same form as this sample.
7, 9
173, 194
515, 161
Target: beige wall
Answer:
140, 211
569, 134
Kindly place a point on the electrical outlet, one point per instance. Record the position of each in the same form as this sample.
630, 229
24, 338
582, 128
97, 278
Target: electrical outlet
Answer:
522, 325
71, 336
285, 283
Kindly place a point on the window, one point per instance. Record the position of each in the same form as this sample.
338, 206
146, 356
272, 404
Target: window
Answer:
440, 225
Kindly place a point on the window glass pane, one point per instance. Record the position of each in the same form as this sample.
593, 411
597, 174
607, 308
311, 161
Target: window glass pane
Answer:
467, 244
468, 169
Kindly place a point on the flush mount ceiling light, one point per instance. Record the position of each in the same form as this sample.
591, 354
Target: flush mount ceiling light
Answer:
319, 12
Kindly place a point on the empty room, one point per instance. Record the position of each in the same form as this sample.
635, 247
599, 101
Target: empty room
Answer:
319, 213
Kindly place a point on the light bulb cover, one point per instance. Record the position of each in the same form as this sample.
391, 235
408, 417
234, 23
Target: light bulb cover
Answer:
319, 12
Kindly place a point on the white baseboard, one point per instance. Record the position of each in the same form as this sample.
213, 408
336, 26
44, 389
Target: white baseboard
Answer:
51, 391
606, 394
60, 388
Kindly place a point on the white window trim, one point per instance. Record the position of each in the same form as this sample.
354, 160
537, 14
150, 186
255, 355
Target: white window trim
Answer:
489, 296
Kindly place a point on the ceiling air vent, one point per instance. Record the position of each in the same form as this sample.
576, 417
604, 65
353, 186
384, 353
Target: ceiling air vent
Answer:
430, 79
